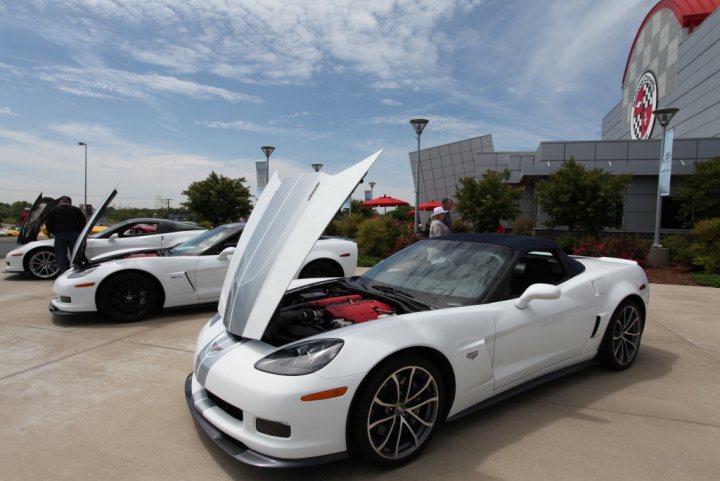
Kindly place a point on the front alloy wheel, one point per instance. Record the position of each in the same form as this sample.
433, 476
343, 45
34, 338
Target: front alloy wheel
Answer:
399, 411
127, 297
622, 338
42, 264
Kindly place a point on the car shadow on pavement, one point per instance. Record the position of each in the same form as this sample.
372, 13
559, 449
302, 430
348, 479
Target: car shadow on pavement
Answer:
168, 316
465, 445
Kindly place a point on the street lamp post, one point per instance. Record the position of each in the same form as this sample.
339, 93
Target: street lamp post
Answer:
267, 150
372, 189
85, 200
663, 116
418, 125
316, 167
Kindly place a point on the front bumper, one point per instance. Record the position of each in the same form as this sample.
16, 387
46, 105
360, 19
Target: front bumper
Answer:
242, 453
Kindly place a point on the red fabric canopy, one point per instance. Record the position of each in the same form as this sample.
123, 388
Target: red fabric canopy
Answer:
384, 201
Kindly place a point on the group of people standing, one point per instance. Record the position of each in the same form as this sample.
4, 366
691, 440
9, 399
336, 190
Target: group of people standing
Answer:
441, 219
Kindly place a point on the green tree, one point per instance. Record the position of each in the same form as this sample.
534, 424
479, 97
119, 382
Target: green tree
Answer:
219, 199
485, 202
583, 200
700, 193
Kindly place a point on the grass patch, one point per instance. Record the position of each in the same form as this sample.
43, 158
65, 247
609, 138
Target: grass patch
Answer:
709, 280
367, 261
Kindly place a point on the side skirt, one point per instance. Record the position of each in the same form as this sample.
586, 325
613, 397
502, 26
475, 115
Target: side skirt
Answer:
524, 387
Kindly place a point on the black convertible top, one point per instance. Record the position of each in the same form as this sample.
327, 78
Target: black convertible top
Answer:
517, 242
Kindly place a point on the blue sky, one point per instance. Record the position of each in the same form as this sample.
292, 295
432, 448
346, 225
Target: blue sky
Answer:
166, 91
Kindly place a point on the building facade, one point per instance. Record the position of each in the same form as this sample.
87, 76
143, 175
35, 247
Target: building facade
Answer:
674, 62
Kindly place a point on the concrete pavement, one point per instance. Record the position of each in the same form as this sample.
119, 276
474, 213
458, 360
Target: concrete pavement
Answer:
86, 399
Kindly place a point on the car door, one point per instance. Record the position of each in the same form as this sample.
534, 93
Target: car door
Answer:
210, 270
544, 334
139, 235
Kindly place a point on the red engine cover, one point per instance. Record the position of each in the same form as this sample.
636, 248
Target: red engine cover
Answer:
336, 300
357, 310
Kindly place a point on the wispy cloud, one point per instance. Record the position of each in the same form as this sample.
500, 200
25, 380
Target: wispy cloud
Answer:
109, 83
6, 111
391, 102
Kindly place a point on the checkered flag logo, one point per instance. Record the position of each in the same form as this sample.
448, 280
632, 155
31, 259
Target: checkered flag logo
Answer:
644, 102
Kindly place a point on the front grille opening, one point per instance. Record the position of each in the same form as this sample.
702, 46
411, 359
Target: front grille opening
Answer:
226, 406
272, 428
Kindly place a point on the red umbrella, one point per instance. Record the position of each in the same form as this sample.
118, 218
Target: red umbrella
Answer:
384, 201
430, 205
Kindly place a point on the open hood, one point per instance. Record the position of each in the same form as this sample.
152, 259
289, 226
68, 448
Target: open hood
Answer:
78, 255
35, 218
287, 221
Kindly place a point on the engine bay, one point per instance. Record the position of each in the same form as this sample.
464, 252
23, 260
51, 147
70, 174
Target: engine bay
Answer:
323, 307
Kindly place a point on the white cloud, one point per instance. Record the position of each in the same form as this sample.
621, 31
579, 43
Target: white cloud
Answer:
391, 102
392, 42
6, 111
108, 83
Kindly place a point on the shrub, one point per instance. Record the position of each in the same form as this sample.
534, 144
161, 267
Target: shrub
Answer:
681, 248
633, 248
708, 235
382, 235
709, 280
345, 226
460, 226
523, 226
567, 241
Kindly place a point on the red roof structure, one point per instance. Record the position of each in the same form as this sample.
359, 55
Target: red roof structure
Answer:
689, 14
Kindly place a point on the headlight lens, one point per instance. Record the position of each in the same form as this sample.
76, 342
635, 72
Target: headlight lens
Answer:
82, 273
303, 358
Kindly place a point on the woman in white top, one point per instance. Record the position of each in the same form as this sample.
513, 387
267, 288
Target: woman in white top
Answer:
437, 226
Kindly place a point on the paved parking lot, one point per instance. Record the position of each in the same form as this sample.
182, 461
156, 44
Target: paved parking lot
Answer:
85, 399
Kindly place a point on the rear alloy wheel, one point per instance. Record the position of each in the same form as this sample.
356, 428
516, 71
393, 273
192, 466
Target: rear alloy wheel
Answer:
42, 264
321, 268
622, 338
128, 297
397, 412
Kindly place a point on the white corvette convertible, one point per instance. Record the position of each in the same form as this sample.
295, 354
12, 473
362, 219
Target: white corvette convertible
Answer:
130, 284
37, 258
291, 373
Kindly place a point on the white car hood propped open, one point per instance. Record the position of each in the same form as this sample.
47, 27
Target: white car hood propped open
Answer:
287, 221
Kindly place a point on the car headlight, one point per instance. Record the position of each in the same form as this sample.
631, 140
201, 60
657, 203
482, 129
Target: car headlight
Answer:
303, 358
82, 273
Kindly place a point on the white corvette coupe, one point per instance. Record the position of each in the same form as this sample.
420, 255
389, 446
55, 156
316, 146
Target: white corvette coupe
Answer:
37, 258
291, 373
128, 285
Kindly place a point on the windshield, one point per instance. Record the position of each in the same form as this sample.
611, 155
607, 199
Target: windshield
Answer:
199, 244
441, 273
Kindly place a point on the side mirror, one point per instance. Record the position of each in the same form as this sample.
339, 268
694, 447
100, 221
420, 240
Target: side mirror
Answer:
226, 252
113, 237
537, 291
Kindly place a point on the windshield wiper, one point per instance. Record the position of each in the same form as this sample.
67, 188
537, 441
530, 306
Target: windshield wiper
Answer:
392, 290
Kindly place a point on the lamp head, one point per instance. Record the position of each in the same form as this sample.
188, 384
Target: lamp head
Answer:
665, 115
419, 125
267, 150
316, 167
82, 143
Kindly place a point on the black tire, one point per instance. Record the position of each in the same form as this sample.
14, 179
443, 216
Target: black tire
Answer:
397, 411
127, 297
41, 264
621, 342
321, 268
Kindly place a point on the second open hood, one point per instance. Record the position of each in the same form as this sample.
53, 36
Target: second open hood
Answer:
288, 219
78, 255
